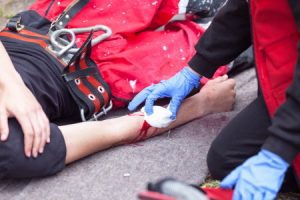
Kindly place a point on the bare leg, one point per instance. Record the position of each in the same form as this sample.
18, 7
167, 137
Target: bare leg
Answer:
83, 139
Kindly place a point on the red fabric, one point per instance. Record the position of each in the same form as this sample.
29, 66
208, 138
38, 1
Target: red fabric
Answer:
149, 195
275, 37
211, 193
218, 193
219, 72
297, 166
136, 55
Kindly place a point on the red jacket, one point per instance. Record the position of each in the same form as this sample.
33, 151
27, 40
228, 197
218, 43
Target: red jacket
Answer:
275, 37
136, 55
274, 32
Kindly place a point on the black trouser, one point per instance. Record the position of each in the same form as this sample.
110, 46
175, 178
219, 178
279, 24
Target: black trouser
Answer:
41, 74
241, 139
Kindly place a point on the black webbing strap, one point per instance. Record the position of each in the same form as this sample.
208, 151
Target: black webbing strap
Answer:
14, 24
74, 8
86, 85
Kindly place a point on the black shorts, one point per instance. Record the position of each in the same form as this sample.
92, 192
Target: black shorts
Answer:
41, 74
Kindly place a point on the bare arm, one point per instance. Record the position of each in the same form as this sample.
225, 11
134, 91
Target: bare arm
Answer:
83, 139
17, 101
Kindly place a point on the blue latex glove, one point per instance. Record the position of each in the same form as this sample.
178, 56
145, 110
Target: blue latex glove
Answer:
177, 88
258, 178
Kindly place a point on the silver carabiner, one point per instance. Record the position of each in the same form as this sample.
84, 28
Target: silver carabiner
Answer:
62, 46
107, 32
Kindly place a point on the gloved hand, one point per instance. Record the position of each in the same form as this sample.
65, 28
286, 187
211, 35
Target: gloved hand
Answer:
177, 88
258, 178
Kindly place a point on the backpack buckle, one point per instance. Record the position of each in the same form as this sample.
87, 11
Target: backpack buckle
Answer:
96, 116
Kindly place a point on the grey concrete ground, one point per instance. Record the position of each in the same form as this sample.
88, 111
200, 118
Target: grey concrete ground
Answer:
9, 7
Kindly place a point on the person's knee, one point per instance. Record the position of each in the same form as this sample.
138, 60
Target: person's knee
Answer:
12, 151
222, 158
6, 158
8, 154
216, 164
15, 164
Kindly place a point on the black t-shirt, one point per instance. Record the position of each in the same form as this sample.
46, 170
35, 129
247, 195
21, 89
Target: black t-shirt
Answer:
41, 73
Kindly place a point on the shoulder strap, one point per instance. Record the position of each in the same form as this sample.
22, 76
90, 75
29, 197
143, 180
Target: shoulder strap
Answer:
74, 8
14, 24
85, 83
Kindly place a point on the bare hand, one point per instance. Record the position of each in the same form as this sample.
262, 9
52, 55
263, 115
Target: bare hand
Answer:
17, 101
220, 94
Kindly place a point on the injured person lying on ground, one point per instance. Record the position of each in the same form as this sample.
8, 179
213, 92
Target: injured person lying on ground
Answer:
72, 61
68, 143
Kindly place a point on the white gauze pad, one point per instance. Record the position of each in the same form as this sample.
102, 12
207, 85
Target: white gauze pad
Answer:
160, 117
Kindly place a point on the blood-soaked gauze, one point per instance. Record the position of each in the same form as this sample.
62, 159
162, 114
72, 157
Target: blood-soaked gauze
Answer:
159, 119
142, 135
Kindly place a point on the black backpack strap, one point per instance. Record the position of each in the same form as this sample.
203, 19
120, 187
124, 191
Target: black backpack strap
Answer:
91, 93
74, 8
14, 24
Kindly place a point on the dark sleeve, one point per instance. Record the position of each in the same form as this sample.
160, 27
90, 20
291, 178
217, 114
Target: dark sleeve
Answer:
285, 128
228, 36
